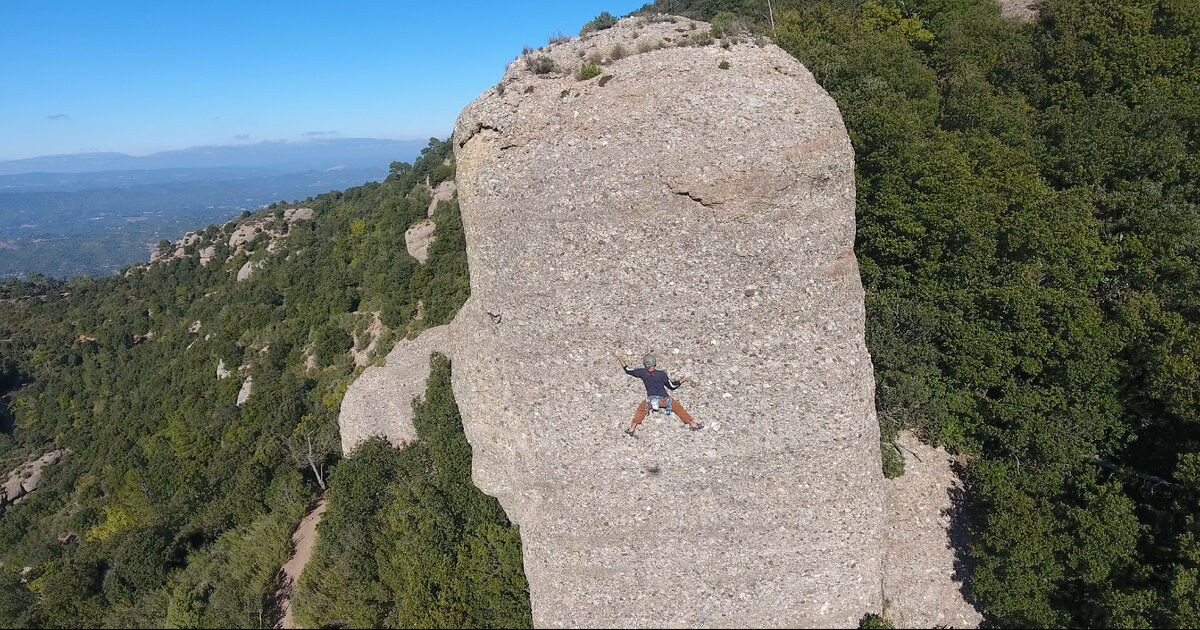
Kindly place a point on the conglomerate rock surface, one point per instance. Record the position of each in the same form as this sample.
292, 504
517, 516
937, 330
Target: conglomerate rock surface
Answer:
925, 564
379, 401
705, 215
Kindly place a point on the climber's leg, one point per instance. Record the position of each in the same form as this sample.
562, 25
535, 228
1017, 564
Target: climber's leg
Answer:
678, 410
638, 417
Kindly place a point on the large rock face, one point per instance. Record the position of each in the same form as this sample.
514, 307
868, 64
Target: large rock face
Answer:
705, 215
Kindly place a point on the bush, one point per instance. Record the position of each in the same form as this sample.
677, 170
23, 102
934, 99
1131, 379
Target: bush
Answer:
724, 65
540, 64
601, 22
618, 52
588, 71
893, 461
443, 172
875, 622
726, 23
331, 343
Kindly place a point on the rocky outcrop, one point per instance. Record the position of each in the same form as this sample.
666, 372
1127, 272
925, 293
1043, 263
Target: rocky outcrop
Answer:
27, 477
925, 562
418, 238
1023, 10
241, 233
707, 215
245, 391
249, 268
379, 401
443, 192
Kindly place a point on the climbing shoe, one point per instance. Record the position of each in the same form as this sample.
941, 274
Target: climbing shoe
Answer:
697, 427
629, 433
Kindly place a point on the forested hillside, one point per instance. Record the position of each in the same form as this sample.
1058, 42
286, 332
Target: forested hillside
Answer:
409, 541
1029, 238
176, 501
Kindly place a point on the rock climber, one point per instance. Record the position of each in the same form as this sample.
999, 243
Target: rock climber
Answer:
657, 383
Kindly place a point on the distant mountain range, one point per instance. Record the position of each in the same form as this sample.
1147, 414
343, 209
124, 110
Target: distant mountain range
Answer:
293, 157
66, 215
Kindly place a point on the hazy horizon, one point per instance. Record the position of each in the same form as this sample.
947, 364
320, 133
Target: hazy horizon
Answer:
144, 79
218, 146
317, 153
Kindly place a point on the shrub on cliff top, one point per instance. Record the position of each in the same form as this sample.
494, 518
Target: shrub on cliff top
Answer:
601, 22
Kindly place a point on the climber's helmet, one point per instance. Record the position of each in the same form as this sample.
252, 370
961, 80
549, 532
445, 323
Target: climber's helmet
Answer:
648, 361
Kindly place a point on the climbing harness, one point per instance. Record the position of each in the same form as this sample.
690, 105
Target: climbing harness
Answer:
652, 404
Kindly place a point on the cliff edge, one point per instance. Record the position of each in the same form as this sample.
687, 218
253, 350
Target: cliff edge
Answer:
697, 202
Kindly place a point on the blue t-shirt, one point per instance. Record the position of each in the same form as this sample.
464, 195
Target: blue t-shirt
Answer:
656, 381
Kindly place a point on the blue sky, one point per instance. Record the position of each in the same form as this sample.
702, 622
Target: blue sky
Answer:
140, 77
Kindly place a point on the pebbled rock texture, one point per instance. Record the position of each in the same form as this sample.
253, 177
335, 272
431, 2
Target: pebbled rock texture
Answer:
925, 562
705, 215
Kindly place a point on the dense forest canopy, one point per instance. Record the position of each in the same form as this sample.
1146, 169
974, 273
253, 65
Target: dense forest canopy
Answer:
176, 503
1029, 238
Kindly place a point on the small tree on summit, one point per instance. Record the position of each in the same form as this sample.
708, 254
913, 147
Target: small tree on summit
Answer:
601, 22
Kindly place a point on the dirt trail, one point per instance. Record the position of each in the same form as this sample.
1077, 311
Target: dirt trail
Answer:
302, 542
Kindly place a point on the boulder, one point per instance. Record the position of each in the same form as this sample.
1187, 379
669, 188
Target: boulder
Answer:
13, 487
28, 476
418, 239
379, 401
243, 234
1021, 10
705, 215
249, 268
31, 483
245, 391
207, 254
292, 215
